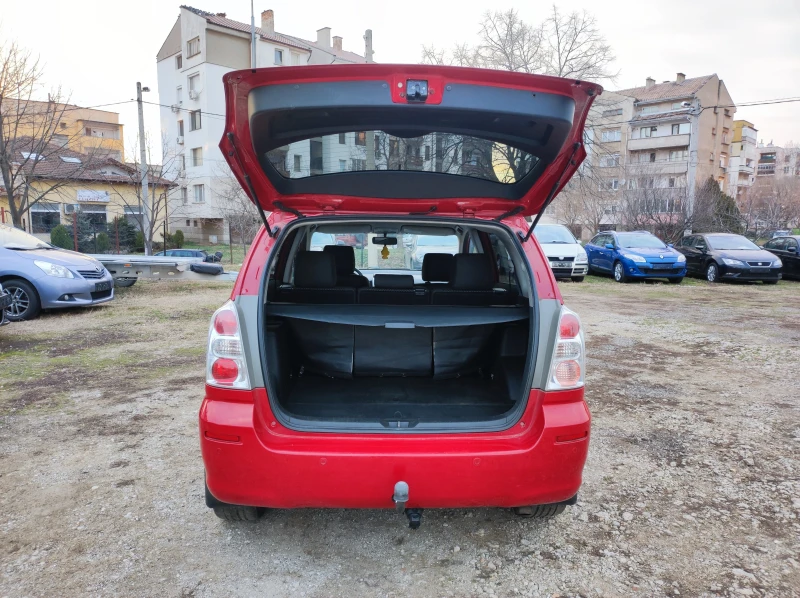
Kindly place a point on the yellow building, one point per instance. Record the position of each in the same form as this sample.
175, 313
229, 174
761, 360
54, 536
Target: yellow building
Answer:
85, 130
66, 183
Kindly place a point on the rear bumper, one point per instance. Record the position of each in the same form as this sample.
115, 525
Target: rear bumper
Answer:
250, 459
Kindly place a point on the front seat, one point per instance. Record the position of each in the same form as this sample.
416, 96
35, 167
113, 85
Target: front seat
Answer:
346, 276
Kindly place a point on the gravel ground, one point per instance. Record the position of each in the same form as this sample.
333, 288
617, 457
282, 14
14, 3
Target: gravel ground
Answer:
691, 487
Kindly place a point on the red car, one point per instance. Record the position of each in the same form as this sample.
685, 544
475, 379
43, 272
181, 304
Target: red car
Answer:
458, 384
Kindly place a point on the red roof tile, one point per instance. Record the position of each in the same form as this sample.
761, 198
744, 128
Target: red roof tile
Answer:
666, 91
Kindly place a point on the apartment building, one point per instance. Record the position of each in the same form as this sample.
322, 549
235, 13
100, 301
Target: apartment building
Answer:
202, 47
84, 130
776, 161
743, 159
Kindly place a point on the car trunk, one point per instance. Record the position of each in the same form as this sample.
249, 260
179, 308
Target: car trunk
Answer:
397, 366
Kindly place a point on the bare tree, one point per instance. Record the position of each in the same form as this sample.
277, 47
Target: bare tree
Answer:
30, 137
236, 207
773, 203
562, 45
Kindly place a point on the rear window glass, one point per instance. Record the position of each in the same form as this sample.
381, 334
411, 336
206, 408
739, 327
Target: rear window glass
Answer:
406, 255
460, 155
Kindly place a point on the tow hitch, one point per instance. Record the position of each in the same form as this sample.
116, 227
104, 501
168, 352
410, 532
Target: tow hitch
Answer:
400, 499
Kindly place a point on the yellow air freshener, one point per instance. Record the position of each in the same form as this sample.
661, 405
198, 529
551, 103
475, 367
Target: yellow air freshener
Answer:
385, 252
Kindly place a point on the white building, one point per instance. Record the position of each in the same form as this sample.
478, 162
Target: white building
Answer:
744, 157
199, 50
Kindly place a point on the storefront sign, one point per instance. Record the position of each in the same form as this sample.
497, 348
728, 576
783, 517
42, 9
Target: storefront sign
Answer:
90, 195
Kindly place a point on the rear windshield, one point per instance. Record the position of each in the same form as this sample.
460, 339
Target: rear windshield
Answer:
407, 254
731, 243
461, 155
553, 234
631, 241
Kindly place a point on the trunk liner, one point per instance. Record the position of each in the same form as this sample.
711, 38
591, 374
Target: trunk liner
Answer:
460, 399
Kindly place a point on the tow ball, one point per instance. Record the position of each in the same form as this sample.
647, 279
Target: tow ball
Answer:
400, 499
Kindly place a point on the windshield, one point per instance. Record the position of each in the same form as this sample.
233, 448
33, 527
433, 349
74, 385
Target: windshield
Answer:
553, 234
13, 238
462, 155
407, 254
628, 241
732, 242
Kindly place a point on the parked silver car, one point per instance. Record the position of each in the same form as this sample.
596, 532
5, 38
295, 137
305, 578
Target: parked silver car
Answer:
39, 276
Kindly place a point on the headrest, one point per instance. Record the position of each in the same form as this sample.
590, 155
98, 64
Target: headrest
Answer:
314, 270
473, 272
437, 267
345, 258
393, 281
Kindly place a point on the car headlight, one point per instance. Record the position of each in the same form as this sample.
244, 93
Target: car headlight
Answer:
634, 258
581, 258
777, 263
53, 269
731, 262
681, 257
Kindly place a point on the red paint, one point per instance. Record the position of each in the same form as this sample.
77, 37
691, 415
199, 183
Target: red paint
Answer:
273, 466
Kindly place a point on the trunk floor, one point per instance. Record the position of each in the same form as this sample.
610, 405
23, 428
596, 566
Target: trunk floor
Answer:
424, 399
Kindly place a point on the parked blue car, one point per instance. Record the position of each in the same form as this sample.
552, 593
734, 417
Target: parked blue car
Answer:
39, 276
634, 255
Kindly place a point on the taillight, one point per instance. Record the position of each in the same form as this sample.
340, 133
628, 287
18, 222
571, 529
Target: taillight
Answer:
225, 363
567, 365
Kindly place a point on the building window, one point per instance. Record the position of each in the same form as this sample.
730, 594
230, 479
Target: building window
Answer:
723, 161
671, 183
615, 112
193, 47
179, 62
609, 161
45, 216
610, 185
188, 223
678, 155
680, 129
199, 194
185, 199
182, 161
194, 223
427, 152
180, 128
197, 156
727, 112
194, 84
295, 58
725, 136
342, 165
179, 95
611, 135
361, 138
648, 132
359, 164
278, 56
195, 121
342, 138
298, 162
785, 170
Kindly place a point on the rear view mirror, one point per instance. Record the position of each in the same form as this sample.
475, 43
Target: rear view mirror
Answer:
670, 245
791, 249
609, 246
384, 240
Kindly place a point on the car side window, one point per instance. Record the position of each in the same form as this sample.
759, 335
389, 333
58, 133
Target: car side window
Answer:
687, 242
779, 244
791, 243
505, 267
700, 243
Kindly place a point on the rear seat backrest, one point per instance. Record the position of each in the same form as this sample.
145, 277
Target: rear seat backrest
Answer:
437, 268
315, 281
393, 289
345, 257
472, 283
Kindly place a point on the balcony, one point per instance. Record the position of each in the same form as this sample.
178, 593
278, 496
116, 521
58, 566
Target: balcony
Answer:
766, 169
651, 143
746, 169
658, 168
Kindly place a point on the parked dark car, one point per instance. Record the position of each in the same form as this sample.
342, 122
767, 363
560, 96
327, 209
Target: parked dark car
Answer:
199, 253
788, 250
724, 256
634, 255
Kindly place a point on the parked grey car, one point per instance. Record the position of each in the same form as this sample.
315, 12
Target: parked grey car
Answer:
39, 276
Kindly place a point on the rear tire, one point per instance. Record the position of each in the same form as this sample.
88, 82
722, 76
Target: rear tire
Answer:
25, 301
540, 511
770, 282
619, 272
676, 280
712, 272
235, 513
124, 282
577, 279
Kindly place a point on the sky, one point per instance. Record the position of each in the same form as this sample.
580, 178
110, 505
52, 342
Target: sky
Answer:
97, 50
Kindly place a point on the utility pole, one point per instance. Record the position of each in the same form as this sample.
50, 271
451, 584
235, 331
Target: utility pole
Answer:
145, 185
370, 134
252, 37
